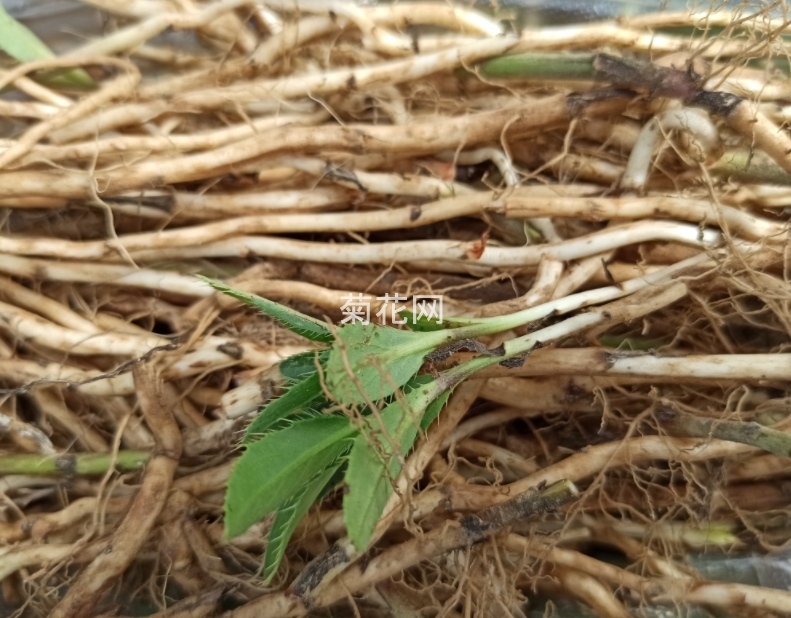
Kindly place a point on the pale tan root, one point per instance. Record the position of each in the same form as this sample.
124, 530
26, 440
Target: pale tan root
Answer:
145, 508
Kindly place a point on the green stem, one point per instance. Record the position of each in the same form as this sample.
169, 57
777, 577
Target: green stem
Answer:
458, 374
72, 463
753, 434
751, 167
476, 327
524, 344
617, 71
516, 347
539, 66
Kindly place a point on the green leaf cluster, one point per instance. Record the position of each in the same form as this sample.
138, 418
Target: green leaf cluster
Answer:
351, 411
326, 427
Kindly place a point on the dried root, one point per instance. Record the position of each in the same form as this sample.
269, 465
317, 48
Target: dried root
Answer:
312, 151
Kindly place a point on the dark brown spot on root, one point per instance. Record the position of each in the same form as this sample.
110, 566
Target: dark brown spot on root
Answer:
66, 464
609, 359
234, 350
514, 363
342, 176
315, 572
574, 392
719, 103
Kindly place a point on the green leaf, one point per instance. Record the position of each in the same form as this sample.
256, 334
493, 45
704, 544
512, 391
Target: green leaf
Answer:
300, 366
293, 401
289, 516
295, 321
380, 359
273, 469
21, 44
303, 395
433, 410
370, 486
373, 464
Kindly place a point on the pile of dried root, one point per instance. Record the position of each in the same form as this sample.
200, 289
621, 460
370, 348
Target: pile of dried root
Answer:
312, 150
